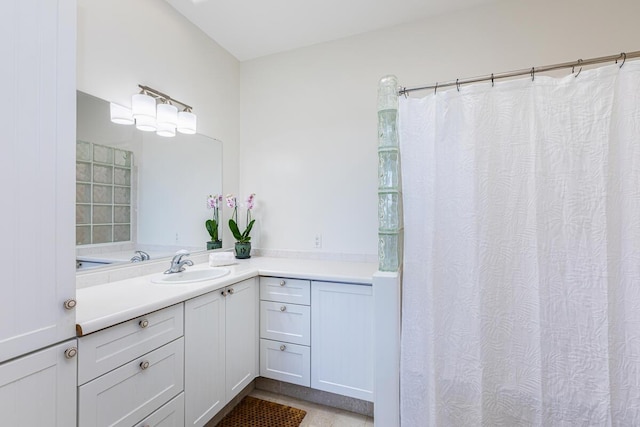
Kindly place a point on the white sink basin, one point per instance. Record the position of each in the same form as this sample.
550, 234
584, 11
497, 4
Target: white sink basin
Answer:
190, 276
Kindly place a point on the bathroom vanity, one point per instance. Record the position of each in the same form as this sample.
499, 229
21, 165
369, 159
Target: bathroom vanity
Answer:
158, 351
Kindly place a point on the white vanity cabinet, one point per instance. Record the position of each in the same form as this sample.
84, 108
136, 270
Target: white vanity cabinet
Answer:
132, 370
317, 334
342, 339
221, 354
285, 329
39, 389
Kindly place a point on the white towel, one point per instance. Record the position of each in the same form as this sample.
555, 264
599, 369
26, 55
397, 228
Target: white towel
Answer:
217, 259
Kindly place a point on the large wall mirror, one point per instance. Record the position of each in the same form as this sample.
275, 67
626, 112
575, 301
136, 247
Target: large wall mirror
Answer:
137, 191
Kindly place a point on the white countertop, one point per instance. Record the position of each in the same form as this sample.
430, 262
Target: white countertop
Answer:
105, 305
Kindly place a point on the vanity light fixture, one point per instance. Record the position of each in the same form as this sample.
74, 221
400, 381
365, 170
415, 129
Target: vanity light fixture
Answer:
152, 110
121, 115
186, 122
143, 106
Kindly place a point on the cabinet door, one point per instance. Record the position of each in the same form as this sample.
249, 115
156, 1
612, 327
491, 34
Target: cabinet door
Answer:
39, 389
37, 117
285, 322
105, 350
342, 339
204, 383
241, 336
133, 391
285, 362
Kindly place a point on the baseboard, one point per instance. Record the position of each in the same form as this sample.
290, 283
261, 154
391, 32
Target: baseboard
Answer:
315, 396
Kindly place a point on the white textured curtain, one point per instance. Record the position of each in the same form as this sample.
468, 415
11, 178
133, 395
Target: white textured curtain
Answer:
521, 283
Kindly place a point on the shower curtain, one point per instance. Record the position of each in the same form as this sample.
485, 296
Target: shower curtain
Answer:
521, 280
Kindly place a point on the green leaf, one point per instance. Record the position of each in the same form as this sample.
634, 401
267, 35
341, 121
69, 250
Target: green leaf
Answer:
212, 228
234, 230
245, 235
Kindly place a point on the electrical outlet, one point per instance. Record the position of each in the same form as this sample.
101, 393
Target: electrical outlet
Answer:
318, 241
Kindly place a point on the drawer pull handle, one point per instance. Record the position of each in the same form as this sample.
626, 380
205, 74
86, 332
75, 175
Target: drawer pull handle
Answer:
144, 364
143, 323
283, 308
231, 291
223, 293
70, 304
283, 347
71, 352
282, 283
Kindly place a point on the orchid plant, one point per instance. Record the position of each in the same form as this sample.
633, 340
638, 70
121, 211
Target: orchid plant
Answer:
241, 237
214, 202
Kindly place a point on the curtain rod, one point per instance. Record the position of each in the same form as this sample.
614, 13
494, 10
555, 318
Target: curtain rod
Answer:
531, 71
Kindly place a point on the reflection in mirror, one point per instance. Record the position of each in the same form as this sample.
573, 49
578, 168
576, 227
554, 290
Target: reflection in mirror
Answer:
139, 195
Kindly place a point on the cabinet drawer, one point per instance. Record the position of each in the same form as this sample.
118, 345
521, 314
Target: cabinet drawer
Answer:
105, 350
280, 289
130, 393
285, 362
285, 322
169, 415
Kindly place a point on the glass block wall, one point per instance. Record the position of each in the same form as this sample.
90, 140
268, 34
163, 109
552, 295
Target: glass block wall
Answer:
103, 194
389, 182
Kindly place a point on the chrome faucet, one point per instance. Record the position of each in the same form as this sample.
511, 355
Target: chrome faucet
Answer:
140, 256
177, 263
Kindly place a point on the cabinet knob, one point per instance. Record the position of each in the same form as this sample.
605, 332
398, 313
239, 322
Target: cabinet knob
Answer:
70, 304
283, 308
231, 291
71, 352
283, 347
143, 323
223, 293
144, 364
283, 282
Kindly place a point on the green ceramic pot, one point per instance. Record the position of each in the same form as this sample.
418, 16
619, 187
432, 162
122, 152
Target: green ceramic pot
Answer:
214, 244
243, 250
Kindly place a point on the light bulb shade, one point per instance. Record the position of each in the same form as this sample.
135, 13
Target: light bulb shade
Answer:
121, 115
186, 122
167, 114
143, 106
146, 124
165, 129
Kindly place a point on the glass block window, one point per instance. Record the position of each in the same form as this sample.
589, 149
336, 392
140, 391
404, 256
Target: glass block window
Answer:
103, 194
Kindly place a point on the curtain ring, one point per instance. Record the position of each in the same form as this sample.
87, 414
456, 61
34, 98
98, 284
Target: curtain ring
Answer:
492, 83
533, 73
580, 70
435, 90
457, 85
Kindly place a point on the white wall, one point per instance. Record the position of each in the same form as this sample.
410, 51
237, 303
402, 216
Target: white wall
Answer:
308, 116
124, 43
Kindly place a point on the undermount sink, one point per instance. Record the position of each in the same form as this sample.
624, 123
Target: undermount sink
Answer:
190, 276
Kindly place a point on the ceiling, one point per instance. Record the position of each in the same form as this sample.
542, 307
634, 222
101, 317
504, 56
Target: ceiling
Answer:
250, 29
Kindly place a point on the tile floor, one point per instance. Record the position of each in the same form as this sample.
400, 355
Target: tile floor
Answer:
317, 415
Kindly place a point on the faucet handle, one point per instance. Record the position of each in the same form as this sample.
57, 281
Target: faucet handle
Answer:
177, 258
